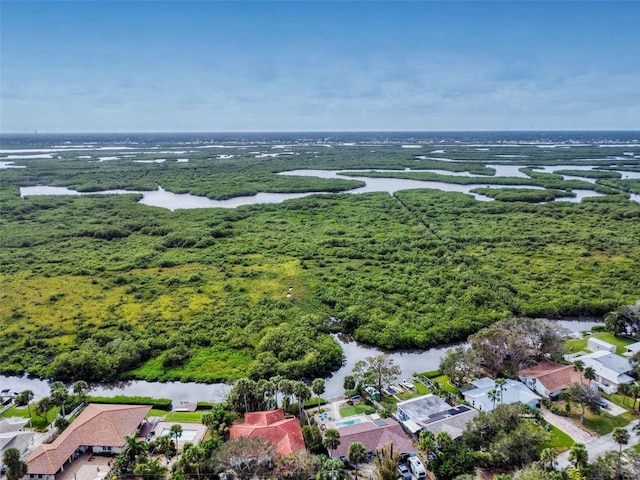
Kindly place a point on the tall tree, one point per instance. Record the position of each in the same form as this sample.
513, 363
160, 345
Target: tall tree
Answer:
357, 454
331, 439
386, 463
460, 364
583, 396
621, 437
80, 389
218, 420
16, 468
590, 374
379, 370
549, 458
176, 432
59, 395
578, 456
578, 366
493, 395
302, 393
500, 384
24, 398
43, 406
318, 387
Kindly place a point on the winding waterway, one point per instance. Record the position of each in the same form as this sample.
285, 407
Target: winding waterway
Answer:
409, 361
172, 201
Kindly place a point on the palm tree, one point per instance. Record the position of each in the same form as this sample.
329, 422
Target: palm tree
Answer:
579, 456
59, 395
578, 366
621, 437
43, 406
244, 388
175, 432
357, 455
386, 463
589, 374
16, 468
318, 388
331, 439
443, 438
286, 386
624, 389
634, 390
27, 396
493, 395
549, 458
132, 450
302, 393
500, 383
427, 443
80, 388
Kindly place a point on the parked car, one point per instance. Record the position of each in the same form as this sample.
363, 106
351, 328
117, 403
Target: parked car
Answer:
602, 403
404, 472
417, 467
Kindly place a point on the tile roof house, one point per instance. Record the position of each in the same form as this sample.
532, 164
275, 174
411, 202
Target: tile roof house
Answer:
101, 428
512, 392
284, 433
549, 378
373, 435
610, 369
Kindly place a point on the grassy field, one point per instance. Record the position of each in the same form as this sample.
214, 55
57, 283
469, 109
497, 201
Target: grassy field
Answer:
580, 344
604, 423
37, 422
356, 410
180, 417
560, 441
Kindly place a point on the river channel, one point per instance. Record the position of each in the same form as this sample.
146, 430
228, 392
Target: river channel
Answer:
409, 361
172, 201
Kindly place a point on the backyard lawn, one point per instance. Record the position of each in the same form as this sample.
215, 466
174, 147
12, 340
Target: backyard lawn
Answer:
560, 441
356, 410
186, 417
580, 344
37, 422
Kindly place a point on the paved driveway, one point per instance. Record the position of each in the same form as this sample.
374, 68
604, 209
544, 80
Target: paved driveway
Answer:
568, 426
599, 446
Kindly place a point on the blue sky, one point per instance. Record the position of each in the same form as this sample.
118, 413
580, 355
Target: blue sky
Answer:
150, 66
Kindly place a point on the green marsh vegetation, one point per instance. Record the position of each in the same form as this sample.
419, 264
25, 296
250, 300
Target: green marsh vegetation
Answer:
101, 287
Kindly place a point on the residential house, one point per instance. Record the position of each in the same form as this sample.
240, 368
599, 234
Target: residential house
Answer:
12, 435
548, 379
98, 429
595, 344
272, 426
512, 392
433, 413
373, 435
611, 369
632, 348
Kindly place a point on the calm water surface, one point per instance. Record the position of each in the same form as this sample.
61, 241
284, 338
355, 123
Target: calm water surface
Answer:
409, 361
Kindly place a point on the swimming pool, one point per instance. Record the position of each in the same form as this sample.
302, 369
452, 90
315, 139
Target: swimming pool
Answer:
346, 423
187, 435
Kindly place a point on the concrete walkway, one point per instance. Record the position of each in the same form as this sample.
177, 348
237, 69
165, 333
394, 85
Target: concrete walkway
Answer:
568, 426
599, 446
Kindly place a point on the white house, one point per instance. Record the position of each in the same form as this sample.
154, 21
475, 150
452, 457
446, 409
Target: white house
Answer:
512, 392
631, 349
595, 345
433, 413
610, 369
548, 379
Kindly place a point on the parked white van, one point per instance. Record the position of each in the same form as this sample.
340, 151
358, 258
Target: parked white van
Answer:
417, 467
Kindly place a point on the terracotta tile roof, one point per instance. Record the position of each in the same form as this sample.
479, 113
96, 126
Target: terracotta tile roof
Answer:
553, 376
284, 433
373, 437
97, 425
